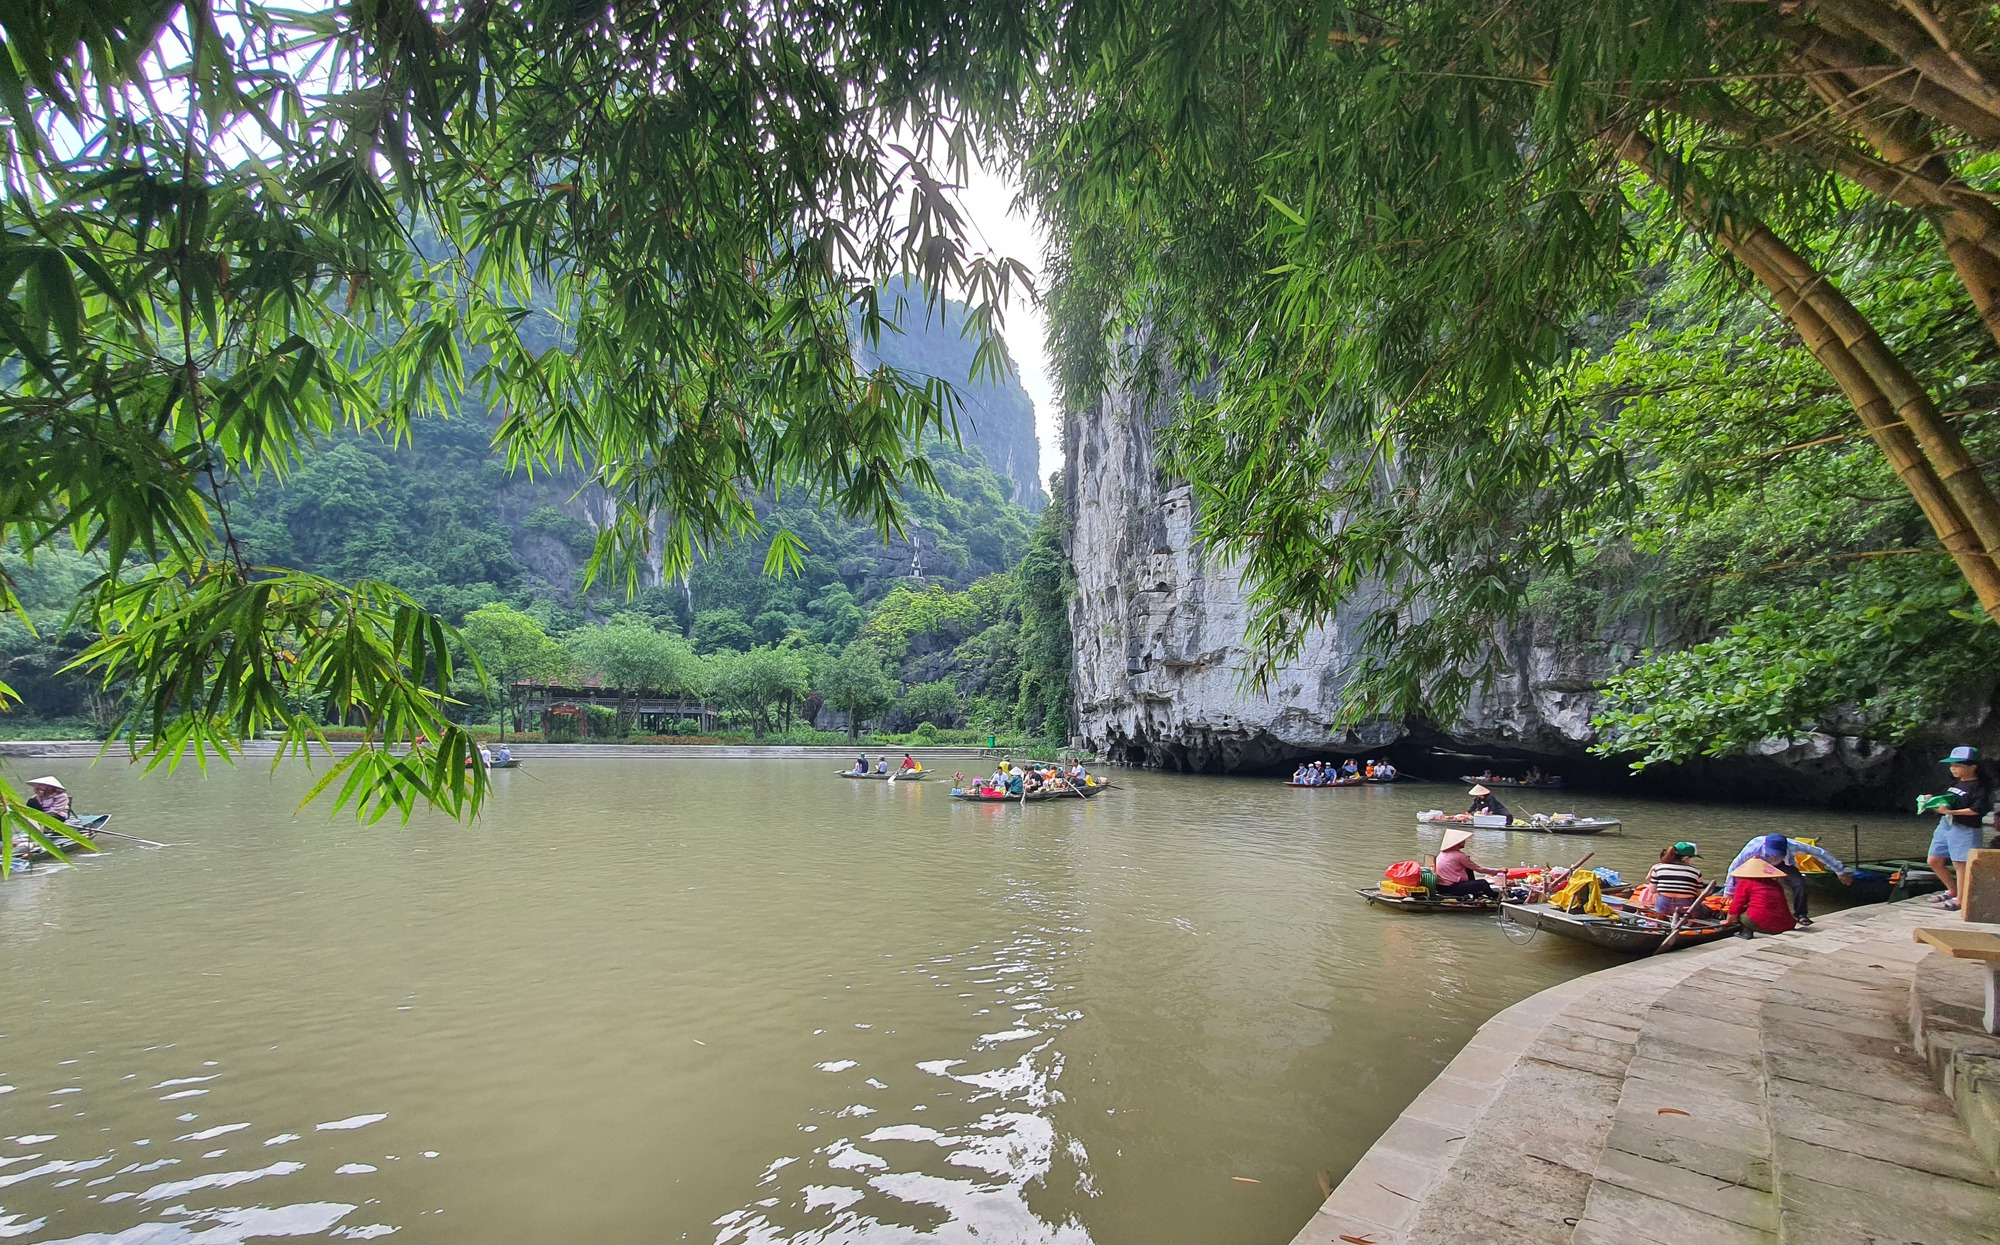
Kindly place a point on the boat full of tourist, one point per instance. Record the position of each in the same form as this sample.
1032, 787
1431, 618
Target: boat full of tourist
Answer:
909, 769
1349, 773
1028, 782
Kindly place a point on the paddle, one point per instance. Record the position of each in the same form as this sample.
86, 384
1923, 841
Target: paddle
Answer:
1680, 919
135, 838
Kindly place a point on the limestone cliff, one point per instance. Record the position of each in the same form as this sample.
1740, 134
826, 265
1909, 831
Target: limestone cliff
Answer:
1160, 659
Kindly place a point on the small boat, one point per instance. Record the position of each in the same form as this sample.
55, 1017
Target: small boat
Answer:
1339, 782
1878, 881
509, 763
1430, 902
989, 796
913, 775
1537, 824
1630, 932
1471, 779
86, 825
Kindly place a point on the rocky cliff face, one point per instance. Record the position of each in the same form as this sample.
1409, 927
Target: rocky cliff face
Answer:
1160, 660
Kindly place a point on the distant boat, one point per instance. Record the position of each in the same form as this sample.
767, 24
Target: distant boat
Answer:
908, 775
1470, 779
1356, 781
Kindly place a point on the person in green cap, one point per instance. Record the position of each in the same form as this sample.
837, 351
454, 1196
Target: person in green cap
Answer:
1961, 808
1675, 882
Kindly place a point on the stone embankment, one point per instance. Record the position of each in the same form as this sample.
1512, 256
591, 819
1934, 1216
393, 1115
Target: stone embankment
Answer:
1784, 1090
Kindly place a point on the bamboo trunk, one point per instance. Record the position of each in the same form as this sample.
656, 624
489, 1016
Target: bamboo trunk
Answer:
1894, 409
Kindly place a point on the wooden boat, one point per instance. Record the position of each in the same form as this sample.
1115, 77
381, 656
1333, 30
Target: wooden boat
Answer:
1472, 779
1033, 797
1529, 825
87, 825
1341, 782
509, 763
1430, 903
1629, 933
915, 775
1878, 881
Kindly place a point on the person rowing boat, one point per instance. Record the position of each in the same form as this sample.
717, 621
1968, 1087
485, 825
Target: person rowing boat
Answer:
48, 795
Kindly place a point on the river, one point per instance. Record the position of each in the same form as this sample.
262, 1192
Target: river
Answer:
745, 1001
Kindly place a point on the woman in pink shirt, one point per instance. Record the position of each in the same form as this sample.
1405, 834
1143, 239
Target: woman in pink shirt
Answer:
1458, 873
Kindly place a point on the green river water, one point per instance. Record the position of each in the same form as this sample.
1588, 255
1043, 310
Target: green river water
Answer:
746, 1001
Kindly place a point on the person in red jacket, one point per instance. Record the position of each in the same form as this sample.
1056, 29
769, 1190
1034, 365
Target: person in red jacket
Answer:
1760, 904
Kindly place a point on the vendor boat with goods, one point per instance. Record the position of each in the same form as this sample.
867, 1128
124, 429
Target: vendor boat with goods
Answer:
1454, 882
1587, 908
1031, 782
1534, 823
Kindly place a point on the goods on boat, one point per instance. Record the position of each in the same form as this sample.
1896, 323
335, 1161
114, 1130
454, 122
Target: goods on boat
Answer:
908, 775
86, 825
1627, 929
1470, 779
1422, 901
1536, 823
995, 795
1876, 881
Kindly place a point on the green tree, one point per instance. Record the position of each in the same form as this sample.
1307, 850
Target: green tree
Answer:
629, 654
937, 703
855, 681
721, 630
513, 649
759, 681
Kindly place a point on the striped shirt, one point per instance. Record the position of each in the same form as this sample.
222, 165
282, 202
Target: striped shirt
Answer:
1680, 879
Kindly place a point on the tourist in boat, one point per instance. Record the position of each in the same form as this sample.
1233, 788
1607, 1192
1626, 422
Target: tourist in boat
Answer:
882, 764
1458, 873
1675, 882
1782, 854
1484, 802
1758, 900
861, 764
1299, 776
1013, 782
1385, 772
47, 794
1957, 831
909, 765
1348, 768
485, 756
502, 755
1533, 777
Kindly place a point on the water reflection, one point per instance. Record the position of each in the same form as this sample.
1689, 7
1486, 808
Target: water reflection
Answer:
984, 1109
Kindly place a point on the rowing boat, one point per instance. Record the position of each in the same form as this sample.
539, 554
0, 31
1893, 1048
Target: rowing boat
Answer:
87, 826
908, 775
1537, 824
1878, 881
988, 796
1474, 779
1430, 902
1343, 782
1629, 933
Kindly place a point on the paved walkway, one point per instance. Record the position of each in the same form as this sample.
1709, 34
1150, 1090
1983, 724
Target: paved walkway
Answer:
1754, 1092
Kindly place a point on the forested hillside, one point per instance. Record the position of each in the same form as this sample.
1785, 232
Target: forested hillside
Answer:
938, 623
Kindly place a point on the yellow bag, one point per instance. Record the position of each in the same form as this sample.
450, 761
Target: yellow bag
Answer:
1582, 895
1807, 864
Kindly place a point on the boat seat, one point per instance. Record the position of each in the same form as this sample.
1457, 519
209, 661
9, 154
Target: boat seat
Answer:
1972, 944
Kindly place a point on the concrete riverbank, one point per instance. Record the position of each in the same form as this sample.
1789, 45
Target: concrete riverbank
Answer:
1786, 1089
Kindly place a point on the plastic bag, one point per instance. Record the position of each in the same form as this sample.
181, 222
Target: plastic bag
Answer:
1408, 873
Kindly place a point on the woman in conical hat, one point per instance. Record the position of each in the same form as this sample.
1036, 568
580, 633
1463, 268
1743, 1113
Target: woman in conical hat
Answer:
1483, 801
50, 796
1759, 903
1458, 873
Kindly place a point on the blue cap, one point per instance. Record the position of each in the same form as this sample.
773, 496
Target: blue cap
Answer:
1777, 844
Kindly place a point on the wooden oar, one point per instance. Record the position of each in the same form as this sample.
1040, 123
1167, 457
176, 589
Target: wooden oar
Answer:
135, 838
1680, 921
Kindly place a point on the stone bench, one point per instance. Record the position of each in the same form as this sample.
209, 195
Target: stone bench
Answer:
1972, 944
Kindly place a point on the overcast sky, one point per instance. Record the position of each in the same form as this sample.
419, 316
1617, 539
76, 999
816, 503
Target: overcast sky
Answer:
986, 199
